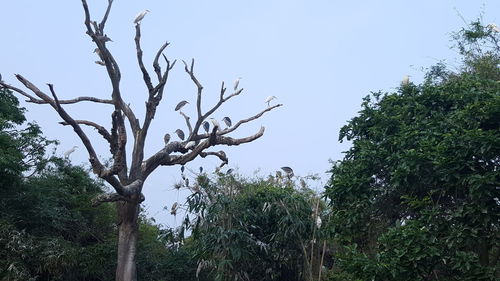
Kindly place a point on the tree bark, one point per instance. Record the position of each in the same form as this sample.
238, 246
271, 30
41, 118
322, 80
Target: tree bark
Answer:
128, 213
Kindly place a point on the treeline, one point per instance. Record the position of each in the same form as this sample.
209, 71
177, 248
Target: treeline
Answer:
416, 197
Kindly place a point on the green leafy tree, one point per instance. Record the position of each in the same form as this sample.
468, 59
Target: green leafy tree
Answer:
22, 146
416, 196
254, 229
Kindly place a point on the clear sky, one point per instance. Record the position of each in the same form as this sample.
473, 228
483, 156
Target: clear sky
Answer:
319, 57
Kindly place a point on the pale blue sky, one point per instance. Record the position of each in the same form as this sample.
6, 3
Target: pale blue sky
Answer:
318, 57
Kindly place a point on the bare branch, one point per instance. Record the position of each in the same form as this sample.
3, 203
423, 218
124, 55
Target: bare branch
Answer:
229, 130
239, 123
156, 65
118, 146
97, 167
221, 154
105, 18
104, 133
145, 74
107, 197
80, 99
30, 97
191, 74
164, 157
111, 67
188, 123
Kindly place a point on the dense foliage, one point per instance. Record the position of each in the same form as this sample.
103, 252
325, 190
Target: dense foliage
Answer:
253, 230
416, 196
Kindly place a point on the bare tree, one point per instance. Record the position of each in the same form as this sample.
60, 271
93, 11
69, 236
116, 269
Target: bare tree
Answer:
127, 178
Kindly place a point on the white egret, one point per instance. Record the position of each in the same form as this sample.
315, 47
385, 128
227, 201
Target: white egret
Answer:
166, 138
269, 99
180, 105
190, 144
68, 153
215, 123
406, 80
227, 120
206, 126
493, 27
237, 83
180, 134
140, 16
318, 222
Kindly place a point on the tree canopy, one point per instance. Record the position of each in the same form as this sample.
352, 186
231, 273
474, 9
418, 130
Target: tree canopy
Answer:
416, 196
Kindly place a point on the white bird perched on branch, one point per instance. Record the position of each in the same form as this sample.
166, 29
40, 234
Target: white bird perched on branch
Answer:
68, 153
215, 123
227, 121
180, 133
190, 144
140, 16
406, 80
493, 27
180, 105
237, 83
269, 99
318, 222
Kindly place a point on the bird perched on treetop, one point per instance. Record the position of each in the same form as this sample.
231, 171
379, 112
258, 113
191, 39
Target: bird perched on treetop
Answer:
68, 153
180, 105
140, 16
406, 80
269, 99
493, 27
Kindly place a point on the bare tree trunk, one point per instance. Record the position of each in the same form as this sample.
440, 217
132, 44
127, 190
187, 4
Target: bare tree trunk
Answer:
127, 241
